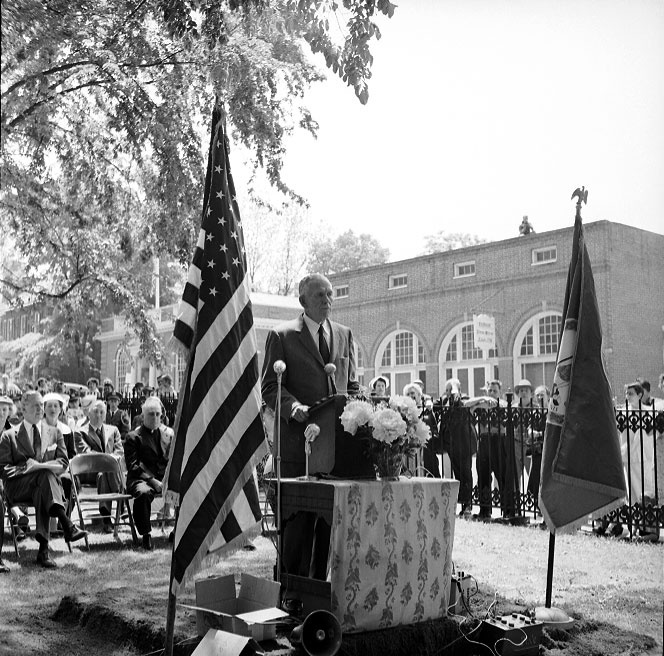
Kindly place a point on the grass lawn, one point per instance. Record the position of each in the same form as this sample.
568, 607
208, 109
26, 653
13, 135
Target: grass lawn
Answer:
600, 580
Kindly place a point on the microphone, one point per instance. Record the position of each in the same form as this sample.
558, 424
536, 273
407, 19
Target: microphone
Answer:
280, 366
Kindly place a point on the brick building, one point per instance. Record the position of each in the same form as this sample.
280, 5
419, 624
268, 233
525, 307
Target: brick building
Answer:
414, 318
119, 359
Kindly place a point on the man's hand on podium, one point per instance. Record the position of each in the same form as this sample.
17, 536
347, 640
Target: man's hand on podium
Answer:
300, 413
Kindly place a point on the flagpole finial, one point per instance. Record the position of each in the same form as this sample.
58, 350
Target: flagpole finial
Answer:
581, 194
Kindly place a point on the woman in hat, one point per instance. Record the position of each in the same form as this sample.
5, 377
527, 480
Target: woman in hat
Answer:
432, 447
379, 386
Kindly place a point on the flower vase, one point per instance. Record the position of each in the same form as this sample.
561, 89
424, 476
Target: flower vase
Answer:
387, 463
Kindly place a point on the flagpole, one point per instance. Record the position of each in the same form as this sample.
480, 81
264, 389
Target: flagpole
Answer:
279, 368
549, 615
170, 610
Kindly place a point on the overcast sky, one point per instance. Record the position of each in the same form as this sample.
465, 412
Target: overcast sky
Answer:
482, 111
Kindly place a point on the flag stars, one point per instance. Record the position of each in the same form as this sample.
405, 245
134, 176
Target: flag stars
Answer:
220, 194
218, 168
211, 264
213, 291
225, 275
209, 211
223, 248
209, 236
236, 262
222, 221
234, 234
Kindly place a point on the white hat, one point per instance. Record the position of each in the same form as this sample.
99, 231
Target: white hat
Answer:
524, 382
63, 399
373, 381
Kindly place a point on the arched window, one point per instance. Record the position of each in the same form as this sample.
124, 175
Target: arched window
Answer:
536, 347
401, 358
463, 360
122, 368
359, 364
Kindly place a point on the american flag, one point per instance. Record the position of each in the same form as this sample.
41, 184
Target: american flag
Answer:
219, 434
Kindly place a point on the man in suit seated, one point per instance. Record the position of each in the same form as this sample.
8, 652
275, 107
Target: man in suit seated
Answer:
115, 416
306, 345
98, 437
32, 458
146, 454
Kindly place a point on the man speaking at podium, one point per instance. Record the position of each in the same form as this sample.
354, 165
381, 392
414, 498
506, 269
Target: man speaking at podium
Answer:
306, 345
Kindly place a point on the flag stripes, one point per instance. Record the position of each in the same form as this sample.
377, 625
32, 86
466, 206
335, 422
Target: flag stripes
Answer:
219, 432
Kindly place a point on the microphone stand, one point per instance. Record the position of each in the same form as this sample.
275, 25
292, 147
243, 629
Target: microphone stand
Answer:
279, 368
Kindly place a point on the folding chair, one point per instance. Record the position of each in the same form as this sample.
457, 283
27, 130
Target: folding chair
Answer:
99, 463
14, 527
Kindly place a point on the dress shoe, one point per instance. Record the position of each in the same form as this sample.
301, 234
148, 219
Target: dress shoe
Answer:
616, 530
44, 560
3, 568
73, 533
147, 542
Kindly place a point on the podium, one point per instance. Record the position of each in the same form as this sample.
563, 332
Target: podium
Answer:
390, 549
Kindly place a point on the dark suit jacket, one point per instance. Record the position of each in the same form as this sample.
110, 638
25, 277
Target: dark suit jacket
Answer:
16, 446
115, 419
304, 380
147, 457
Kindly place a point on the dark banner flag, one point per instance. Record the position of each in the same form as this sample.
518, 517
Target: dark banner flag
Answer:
219, 436
582, 472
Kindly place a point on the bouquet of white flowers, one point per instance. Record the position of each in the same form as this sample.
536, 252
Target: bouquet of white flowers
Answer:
393, 430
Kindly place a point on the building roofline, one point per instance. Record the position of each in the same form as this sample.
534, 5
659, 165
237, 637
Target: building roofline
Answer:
479, 247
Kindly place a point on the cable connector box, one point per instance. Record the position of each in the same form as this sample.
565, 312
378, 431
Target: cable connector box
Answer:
512, 635
460, 593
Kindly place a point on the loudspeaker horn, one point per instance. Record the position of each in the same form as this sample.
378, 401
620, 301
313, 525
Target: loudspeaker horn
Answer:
319, 634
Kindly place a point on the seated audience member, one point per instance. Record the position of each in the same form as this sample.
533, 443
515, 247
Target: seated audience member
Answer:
379, 386
93, 386
6, 408
146, 454
86, 404
98, 437
432, 447
32, 458
54, 408
74, 412
115, 416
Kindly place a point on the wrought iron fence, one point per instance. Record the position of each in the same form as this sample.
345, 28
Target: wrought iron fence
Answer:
496, 455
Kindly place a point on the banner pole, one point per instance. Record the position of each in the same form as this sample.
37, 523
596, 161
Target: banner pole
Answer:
549, 571
170, 611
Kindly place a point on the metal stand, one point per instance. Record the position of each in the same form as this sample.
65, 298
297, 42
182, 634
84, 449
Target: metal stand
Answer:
279, 368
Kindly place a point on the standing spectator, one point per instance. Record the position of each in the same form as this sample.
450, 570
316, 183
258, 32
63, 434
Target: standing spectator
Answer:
431, 448
166, 386
542, 395
379, 386
146, 453
7, 388
638, 452
115, 416
93, 387
108, 388
42, 386
460, 441
491, 451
